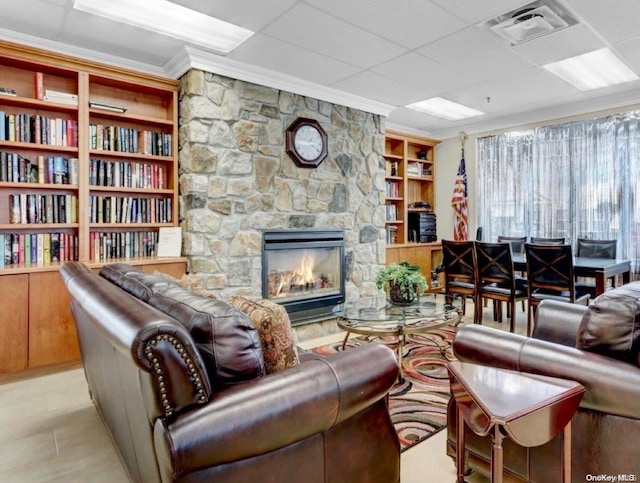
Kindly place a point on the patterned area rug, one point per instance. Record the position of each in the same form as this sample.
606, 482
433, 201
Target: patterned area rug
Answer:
418, 406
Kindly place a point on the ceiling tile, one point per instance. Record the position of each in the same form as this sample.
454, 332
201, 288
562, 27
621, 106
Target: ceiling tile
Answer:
133, 43
615, 22
324, 34
410, 23
269, 53
404, 116
559, 45
630, 53
472, 53
422, 73
518, 89
475, 11
374, 86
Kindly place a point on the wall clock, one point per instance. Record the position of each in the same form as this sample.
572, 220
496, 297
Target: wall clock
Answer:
306, 143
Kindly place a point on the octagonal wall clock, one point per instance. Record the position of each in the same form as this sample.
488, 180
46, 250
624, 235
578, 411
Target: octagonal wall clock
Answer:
306, 143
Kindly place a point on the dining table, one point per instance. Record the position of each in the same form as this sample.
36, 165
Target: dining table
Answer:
599, 268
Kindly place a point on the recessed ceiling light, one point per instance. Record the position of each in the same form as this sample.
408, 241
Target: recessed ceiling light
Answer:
600, 68
440, 107
170, 19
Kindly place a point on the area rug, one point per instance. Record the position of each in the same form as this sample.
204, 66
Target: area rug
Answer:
418, 406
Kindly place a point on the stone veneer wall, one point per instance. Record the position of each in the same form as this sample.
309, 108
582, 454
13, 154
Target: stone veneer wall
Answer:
237, 180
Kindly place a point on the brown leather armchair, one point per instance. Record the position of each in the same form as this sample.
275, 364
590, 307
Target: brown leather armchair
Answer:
606, 427
324, 420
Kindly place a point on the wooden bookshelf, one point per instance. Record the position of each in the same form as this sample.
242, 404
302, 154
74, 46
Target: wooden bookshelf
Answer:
409, 178
128, 137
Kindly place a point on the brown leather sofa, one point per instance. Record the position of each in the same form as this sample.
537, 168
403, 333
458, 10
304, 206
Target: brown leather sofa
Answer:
150, 378
606, 427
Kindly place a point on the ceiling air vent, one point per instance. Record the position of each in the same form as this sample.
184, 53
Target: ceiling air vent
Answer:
530, 22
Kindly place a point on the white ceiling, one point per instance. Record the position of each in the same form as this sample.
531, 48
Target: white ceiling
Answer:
376, 54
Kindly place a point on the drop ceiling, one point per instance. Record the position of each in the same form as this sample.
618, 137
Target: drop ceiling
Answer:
377, 55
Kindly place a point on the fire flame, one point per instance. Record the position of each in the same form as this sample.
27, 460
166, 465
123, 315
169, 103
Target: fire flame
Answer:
304, 274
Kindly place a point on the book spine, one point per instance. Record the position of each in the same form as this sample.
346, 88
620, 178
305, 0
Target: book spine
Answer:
38, 82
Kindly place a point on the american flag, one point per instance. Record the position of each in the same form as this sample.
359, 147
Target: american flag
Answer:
459, 204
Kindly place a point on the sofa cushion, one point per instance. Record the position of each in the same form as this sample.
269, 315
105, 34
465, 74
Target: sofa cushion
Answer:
276, 335
134, 281
190, 282
226, 339
611, 324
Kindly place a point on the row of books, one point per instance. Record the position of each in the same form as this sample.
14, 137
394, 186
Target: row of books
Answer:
391, 212
129, 140
39, 129
37, 208
126, 174
129, 244
37, 248
127, 209
392, 189
16, 168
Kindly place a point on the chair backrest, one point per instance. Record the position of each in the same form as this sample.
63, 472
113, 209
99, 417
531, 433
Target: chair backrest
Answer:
459, 260
588, 248
516, 242
479, 234
547, 241
495, 264
550, 267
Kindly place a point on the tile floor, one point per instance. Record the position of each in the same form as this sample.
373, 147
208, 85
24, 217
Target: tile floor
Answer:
50, 432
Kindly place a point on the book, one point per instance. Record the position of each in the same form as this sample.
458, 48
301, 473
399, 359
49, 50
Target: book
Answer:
106, 106
38, 81
7, 91
169, 241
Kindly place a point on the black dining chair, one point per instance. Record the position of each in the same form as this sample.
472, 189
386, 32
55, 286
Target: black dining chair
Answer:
547, 241
588, 248
516, 242
550, 275
497, 280
460, 271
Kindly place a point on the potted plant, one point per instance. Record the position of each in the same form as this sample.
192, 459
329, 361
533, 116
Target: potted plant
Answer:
402, 280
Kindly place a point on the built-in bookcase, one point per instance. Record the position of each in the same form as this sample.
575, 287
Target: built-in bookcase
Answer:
88, 172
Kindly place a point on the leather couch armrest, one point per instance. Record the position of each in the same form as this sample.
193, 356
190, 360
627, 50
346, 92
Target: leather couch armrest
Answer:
612, 386
275, 411
558, 322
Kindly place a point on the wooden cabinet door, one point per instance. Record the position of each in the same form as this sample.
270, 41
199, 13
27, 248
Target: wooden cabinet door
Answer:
52, 333
14, 322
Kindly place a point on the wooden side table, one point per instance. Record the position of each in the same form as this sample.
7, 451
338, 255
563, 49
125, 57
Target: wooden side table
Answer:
530, 409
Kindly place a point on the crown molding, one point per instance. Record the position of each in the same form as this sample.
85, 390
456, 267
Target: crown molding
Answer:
194, 58
88, 54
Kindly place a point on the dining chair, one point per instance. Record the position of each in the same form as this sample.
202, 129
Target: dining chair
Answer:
550, 275
516, 242
460, 272
588, 248
496, 279
547, 241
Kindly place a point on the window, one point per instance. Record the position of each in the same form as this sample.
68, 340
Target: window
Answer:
571, 180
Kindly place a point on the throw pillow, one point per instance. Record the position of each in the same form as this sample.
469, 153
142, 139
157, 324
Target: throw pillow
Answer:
611, 324
226, 339
273, 324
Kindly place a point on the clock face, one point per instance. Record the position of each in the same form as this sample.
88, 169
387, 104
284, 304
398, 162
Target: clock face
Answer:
307, 142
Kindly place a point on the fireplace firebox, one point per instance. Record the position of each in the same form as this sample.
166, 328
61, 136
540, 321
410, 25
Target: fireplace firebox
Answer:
303, 270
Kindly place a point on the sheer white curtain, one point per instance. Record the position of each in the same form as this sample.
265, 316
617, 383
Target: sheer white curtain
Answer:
573, 180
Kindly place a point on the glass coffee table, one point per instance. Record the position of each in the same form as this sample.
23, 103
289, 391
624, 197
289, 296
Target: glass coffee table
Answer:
377, 317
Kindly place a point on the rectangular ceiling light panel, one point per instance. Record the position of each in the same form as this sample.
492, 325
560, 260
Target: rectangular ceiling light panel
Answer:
440, 107
600, 68
170, 19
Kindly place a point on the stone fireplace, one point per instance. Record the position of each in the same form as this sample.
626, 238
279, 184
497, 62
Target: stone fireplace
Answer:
237, 182
303, 270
